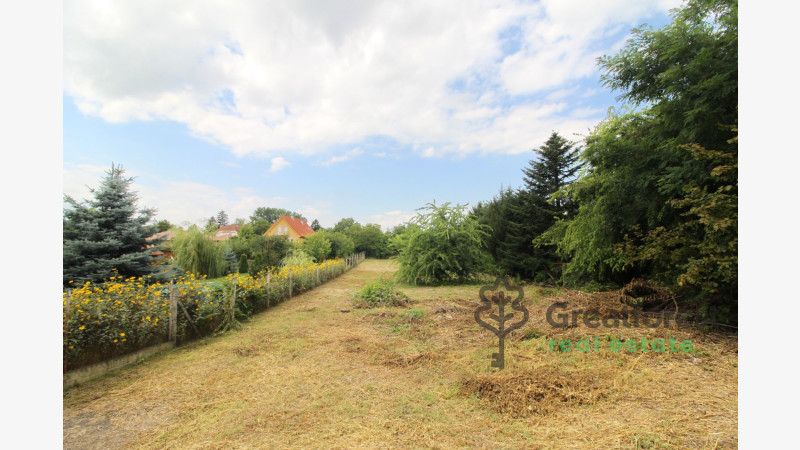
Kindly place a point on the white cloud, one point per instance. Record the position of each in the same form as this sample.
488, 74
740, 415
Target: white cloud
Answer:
278, 163
262, 78
347, 156
176, 201
429, 152
390, 219
560, 44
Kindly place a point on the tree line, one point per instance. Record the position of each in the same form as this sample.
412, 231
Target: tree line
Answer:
650, 193
109, 236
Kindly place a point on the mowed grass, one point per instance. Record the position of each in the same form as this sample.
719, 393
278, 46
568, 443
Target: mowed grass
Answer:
314, 372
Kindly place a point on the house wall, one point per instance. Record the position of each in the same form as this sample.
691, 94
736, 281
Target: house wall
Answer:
273, 230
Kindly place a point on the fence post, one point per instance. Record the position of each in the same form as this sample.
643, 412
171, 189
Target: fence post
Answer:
66, 327
173, 313
306, 278
269, 274
233, 300
317, 276
290, 283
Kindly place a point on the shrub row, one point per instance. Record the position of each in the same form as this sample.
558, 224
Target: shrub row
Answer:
123, 315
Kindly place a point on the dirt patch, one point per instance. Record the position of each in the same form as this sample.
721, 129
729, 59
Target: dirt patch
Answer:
540, 391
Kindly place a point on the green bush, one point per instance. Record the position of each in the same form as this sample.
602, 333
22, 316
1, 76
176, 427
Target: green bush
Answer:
380, 293
442, 245
297, 257
316, 246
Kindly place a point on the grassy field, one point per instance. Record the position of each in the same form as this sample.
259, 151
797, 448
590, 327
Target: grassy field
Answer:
315, 373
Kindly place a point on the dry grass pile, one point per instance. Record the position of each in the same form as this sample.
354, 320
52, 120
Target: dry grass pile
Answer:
541, 391
637, 294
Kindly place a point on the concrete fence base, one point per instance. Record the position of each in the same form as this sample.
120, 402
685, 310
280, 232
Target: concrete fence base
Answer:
87, 373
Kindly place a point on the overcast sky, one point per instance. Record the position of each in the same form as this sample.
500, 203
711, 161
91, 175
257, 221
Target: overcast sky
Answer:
364, 109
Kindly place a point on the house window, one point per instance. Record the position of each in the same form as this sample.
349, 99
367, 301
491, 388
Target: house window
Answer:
290, 239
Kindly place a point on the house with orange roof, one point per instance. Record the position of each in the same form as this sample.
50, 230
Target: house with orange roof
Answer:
226, 232
291, 227
165, 250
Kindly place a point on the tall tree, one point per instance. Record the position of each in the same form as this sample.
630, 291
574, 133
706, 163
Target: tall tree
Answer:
647, 199
519, 217
342, 245
553, 170
344, 224
222, 218
107, 233
260, 226
315, 225
370, 239
273, 214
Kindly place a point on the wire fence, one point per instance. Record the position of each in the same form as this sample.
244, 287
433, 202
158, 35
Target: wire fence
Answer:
120, 316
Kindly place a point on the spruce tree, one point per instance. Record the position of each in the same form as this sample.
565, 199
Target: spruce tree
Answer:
230, 260
555, 168
531, 211
107, 233
222, 218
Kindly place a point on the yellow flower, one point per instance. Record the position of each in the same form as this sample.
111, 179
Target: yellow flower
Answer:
82, 327
122, 334
115, 340
124, 340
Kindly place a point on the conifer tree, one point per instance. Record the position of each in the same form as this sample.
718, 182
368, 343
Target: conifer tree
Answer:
230, 260
554, 169
107, 233
529, 212
222, 218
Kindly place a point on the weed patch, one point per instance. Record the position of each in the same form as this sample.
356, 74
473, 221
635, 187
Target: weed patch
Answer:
380, 293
